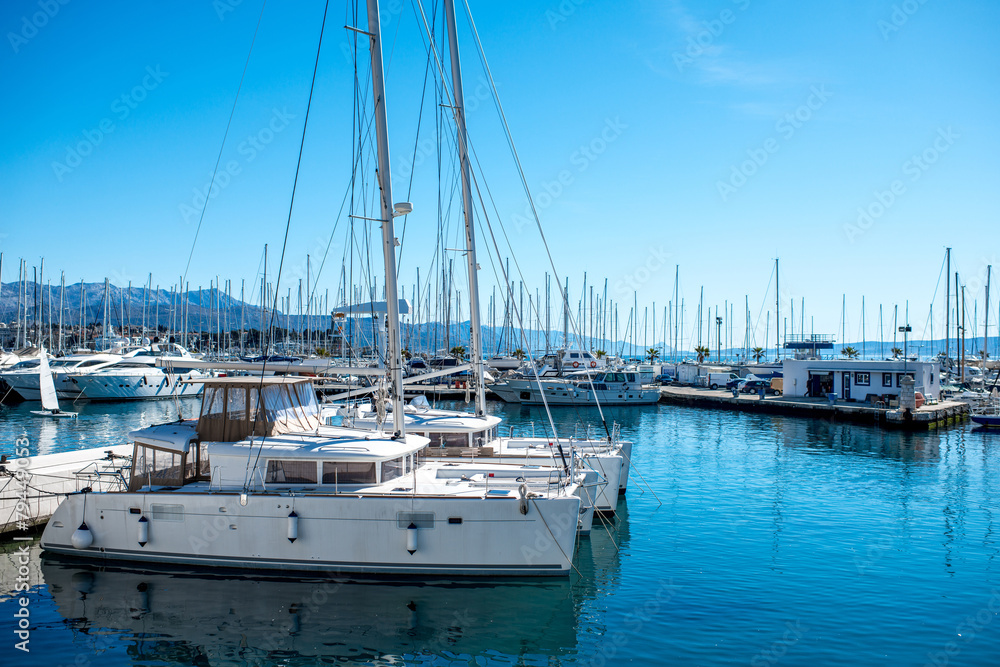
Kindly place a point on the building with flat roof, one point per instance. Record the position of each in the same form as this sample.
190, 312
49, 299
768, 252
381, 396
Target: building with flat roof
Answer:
858, 379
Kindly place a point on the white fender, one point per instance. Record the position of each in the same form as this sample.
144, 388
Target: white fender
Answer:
293, 526
82, 537
411, 538
143, 530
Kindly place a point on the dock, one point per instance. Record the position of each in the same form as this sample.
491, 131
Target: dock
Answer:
940, 414
51, 476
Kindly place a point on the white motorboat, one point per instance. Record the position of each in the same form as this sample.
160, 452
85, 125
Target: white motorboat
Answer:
257, 482
578, 389
136, 377
23, 377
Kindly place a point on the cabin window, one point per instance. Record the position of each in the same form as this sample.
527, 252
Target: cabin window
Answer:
290, 472
155, 467
448, 439
631, 377
392, 469
337, 472
863, 379
886, 379
236, 403
586, 355
574, 355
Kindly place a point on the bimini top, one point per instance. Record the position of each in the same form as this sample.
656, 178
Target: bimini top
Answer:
234, 408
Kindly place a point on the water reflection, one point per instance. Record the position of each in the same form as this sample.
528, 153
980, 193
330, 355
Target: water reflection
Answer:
98, 424
192, 617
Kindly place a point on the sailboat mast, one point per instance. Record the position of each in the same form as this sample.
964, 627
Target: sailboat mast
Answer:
475, 339
394, 358
947, 304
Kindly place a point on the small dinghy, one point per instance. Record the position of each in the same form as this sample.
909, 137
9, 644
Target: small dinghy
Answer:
47, 388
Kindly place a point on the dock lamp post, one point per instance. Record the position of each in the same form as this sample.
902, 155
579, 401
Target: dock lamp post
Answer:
718, 338
905, 330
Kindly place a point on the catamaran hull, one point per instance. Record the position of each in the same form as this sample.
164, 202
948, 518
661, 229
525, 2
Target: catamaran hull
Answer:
334, 534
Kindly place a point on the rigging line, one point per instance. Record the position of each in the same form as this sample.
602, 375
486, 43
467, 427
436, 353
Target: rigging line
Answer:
570, 318
284, 245
225, 136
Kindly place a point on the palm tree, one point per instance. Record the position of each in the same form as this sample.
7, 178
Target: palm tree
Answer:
850, 352
458, 352
652, 354
406, 354
702, 351
896, 353
758, 354
600, 354
519, 353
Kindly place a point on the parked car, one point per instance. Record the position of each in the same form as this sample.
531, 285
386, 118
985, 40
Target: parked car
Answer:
663, 378
754, 386
735, 383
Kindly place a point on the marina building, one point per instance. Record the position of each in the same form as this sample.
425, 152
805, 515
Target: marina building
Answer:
859, 379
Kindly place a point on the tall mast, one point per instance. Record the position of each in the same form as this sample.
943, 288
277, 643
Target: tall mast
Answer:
947, 303
777, 313
393, 354
475, 339
986, 324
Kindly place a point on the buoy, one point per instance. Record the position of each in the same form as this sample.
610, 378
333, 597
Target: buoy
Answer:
293, 526
593, 364
411, 538
82, 537
576, 364
522, 492
143, 531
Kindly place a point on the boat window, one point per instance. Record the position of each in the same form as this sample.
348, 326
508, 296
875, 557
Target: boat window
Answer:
574, 355
92, 362
337, 472
631, 377
448, 439
156, 467
291, 472
586, 355
57, 364
236, 403
392, 469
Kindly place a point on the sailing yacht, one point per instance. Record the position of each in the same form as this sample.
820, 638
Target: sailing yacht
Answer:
47, 391
258, 482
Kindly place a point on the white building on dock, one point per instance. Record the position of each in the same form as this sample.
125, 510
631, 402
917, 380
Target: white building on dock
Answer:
858, 379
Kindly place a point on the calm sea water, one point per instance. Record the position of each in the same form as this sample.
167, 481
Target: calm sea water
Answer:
757, 540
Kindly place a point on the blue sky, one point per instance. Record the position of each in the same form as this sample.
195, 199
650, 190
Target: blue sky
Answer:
854, 141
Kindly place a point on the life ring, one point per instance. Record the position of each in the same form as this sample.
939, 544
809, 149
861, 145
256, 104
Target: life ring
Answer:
593, 364
576, 364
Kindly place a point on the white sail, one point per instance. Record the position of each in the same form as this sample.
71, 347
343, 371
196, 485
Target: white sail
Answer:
46, 386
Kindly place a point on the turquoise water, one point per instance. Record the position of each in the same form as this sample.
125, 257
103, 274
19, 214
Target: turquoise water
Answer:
759, 540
